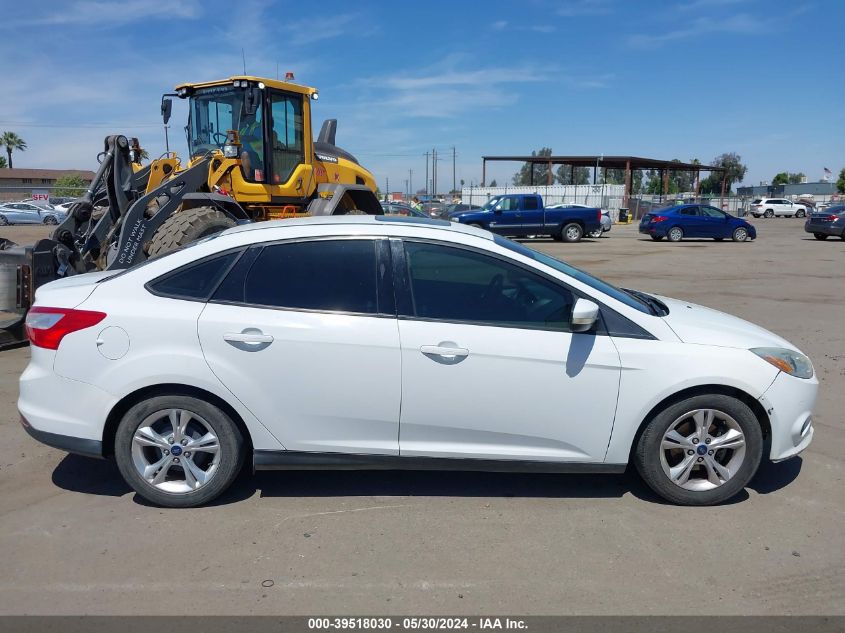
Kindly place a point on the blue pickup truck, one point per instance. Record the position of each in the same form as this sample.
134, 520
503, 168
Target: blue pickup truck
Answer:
523, 214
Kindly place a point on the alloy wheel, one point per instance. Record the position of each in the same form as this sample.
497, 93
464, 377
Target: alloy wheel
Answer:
175, 451
702, 449
740, 235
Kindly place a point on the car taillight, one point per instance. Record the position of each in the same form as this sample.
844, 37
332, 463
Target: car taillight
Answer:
831, 218
658, 218
599, 215
46, 327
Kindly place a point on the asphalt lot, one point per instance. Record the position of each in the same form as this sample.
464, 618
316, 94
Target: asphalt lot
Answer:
75, 540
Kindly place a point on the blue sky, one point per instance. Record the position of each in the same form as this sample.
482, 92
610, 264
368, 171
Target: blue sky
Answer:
684, 79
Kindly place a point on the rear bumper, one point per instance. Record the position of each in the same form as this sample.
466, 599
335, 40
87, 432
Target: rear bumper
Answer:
56, 407
824, 229
77, 445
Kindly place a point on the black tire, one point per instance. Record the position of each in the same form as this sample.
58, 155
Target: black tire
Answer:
675, 234
51, 220
822, 236
231, 451
740, 234
800, 214
184, 227
572, 232
657, 238
4, 221
647, 453
769, 213
595, 234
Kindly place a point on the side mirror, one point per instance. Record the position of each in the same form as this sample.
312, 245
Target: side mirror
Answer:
585, 313
166, 109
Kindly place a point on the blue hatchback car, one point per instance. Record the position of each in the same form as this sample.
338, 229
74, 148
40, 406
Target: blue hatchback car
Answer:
695, 220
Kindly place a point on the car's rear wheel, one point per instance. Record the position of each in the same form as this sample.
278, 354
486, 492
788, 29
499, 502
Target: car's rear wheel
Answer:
740, 234
700, 451
51, 220
594, 234
675, 234
4, 221
178, 451
769, 213
822, 236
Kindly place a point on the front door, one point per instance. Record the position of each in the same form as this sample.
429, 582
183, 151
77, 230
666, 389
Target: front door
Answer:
490, 369
507, 216
305, 336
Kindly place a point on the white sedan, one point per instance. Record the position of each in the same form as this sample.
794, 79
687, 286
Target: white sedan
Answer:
401, 343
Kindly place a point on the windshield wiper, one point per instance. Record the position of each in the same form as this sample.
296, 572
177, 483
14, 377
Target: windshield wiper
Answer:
657, 307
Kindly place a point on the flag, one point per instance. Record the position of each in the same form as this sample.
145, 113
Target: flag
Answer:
827, 172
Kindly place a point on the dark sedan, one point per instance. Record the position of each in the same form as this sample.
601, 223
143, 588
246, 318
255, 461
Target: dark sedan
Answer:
829, 222
695, 220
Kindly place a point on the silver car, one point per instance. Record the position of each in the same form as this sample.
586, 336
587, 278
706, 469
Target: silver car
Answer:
27, 213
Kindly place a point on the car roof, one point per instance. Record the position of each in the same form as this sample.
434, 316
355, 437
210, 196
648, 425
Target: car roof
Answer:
376, 221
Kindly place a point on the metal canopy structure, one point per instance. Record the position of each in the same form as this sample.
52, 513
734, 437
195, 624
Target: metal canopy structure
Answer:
624, 163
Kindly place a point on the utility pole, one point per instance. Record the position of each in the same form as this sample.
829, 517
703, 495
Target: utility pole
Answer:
406, 186
434, 171
426, 173
411, 181
454, 181
386, 187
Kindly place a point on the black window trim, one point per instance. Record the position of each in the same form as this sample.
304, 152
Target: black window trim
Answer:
404, 301
197, 262
382, 257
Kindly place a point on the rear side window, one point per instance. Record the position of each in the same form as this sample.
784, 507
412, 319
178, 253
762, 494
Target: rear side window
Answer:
196, 280
325, 275
531, 204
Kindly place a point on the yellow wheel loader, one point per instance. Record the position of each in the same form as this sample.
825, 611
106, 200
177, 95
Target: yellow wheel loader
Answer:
251, 157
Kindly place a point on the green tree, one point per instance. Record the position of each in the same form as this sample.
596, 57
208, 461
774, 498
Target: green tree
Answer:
780, 179
3, 163
734, 173
840, 182
11, 142
795, 179
564, 175
493, 183
541, 170
71, 185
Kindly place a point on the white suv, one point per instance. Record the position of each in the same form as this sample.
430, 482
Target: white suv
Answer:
769, 207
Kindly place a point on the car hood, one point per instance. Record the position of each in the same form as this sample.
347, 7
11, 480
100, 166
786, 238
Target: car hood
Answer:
704, 326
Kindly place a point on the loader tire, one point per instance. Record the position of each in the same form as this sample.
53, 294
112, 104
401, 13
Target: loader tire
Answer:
184, 227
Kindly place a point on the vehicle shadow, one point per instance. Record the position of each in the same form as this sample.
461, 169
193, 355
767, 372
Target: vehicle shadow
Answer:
101, 477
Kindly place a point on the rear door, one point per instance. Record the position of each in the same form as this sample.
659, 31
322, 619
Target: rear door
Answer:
533, 220
692, 222
304, 334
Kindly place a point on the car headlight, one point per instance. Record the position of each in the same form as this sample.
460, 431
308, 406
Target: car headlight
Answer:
786, 360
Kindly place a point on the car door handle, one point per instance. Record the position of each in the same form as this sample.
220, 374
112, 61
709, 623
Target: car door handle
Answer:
250, 338
448, 354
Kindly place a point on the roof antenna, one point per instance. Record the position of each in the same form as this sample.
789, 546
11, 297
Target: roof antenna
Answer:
243, 57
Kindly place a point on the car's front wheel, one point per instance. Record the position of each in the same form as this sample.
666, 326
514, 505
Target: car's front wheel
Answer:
740, 234
700, 451
178, 451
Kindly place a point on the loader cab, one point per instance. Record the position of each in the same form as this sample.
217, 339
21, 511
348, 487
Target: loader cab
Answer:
271, 125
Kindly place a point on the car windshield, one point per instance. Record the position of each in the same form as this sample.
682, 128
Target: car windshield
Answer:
491, 203
213, 112
576, 273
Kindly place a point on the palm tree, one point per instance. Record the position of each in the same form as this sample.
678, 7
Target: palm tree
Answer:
11, 142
